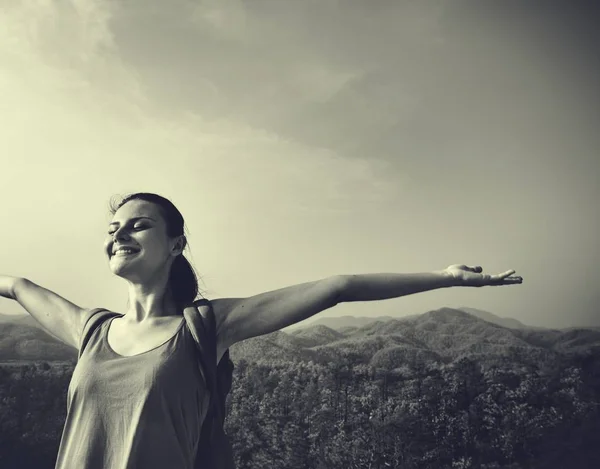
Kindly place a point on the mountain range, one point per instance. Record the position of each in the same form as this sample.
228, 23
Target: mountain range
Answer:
345, 323
436, 336
441, 335
21, 338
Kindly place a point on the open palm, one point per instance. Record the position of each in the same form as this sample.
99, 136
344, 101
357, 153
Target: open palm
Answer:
473, 276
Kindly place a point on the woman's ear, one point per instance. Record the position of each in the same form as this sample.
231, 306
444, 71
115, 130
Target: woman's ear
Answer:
179, 245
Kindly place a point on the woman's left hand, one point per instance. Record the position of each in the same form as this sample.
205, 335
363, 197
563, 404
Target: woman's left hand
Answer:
473, 276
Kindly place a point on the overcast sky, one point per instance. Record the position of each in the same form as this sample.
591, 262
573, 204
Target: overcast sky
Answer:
303, 139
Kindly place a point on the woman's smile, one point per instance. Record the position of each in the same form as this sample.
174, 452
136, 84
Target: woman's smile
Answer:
125, 251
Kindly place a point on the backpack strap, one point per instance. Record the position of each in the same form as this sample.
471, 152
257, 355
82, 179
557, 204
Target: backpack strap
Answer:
203, 330
97, 316
214, 447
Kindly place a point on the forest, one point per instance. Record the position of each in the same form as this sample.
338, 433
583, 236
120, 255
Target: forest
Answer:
443, 391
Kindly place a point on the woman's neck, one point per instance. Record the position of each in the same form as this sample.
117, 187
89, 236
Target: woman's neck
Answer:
147, 302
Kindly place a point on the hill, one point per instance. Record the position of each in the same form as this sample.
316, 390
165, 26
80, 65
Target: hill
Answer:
272, 348
448, 334
25, 342
489, 317
316, 335
443, 335
454, 333
345, 323
342, 322
21, 319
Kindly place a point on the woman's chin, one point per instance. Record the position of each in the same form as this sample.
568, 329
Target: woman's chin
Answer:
117, 270
120, 270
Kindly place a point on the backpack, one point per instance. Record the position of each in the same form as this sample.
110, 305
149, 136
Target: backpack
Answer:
214, 448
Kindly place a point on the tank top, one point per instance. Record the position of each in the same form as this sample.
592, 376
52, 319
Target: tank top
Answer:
134, 412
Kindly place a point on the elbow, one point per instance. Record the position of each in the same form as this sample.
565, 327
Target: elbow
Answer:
17, 286
340, 285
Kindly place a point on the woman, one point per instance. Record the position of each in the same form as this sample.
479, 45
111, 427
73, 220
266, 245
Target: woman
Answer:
136, 398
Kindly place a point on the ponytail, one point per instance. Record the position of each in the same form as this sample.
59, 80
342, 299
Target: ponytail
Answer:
183, 283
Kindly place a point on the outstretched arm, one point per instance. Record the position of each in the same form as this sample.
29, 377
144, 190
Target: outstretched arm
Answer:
242, 318
58, 316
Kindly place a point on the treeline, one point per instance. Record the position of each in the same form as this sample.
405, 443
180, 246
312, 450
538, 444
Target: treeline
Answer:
464, 414
33, 399
460, 415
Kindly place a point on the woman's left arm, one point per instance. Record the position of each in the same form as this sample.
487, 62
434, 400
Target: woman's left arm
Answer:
242, 318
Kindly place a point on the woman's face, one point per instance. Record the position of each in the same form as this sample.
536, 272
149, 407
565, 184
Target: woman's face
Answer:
137, 244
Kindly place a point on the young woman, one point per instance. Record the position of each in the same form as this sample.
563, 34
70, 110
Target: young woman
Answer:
136, 398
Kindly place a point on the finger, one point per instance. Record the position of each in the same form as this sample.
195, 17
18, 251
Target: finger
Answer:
508, 273
510, 281
501, 277
513, 279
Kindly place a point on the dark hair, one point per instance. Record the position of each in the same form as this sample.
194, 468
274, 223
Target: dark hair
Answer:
183, 282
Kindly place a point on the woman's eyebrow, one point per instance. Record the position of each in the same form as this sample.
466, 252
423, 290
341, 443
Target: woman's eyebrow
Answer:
132, 219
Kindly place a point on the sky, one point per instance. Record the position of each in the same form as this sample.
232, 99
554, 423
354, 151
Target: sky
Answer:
307, 139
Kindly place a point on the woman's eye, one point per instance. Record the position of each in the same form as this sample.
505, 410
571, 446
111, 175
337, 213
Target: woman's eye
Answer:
135, 227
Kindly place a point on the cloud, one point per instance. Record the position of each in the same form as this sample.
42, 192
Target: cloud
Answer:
225, 19
74, 96
396, 82
325, 74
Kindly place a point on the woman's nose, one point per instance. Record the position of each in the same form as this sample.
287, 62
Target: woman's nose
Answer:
120, 235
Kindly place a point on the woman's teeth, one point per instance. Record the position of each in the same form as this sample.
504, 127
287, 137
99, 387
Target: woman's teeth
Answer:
124, 252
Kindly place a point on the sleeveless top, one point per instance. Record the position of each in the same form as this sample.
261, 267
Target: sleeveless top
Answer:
134, 412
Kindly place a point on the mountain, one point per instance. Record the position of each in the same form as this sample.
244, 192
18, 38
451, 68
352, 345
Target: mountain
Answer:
489, 317
345, 323
341, 322
453, 333
312, 336
442, 335
376, 350
20, 341
570, 340
275, 347
21, 319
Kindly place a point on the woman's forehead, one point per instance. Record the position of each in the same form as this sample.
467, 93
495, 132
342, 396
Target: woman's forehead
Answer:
138, 208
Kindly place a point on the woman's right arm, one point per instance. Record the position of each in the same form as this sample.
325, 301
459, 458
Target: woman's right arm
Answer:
58, 316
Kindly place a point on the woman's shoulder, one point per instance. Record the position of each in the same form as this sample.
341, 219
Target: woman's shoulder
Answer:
92, 317
219, 307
